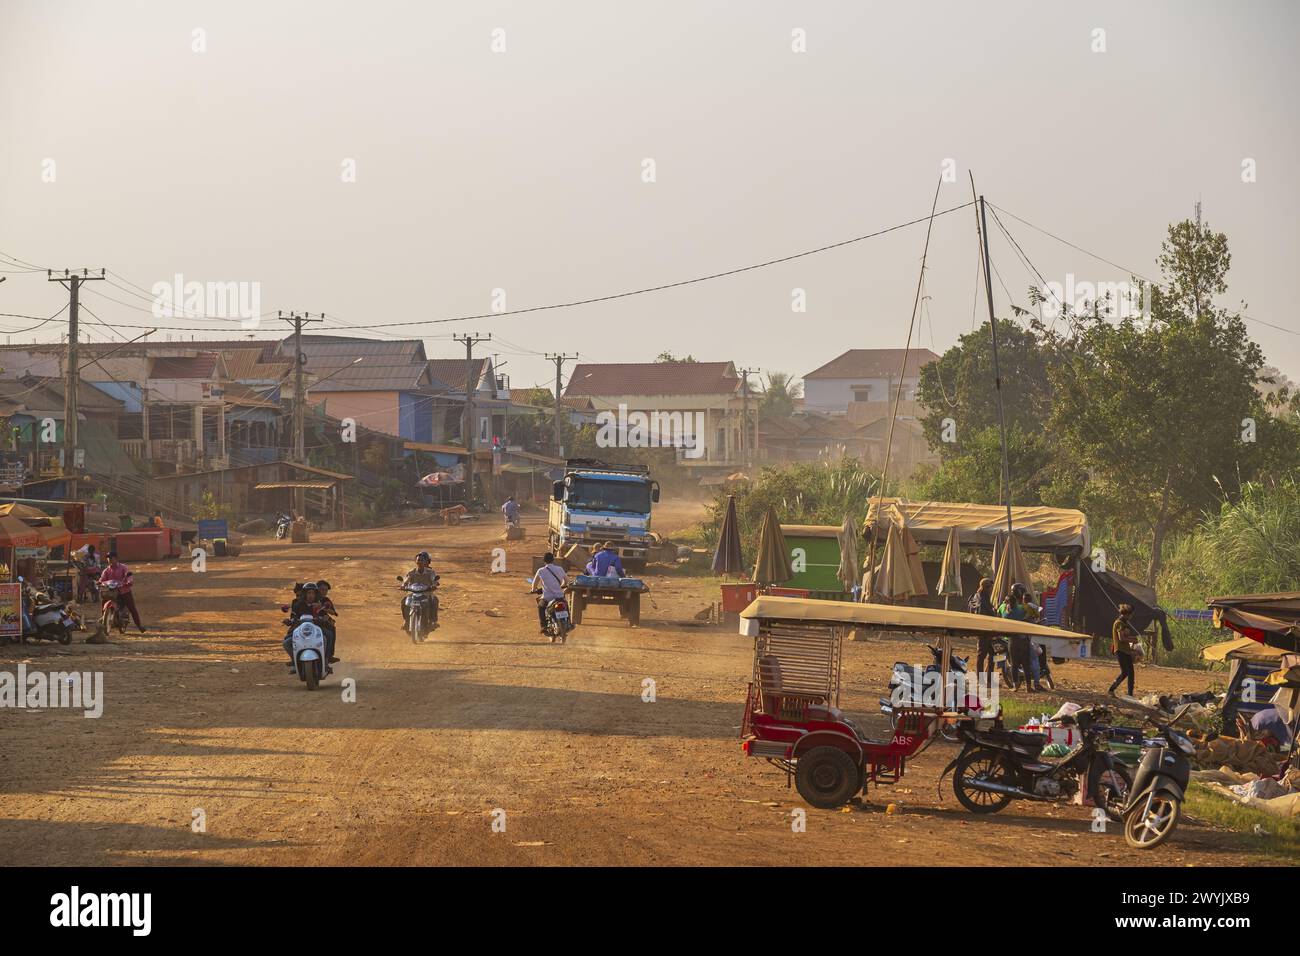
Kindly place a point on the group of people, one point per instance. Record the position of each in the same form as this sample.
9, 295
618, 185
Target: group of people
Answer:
92, 575
550, 581
1029, 662
312, 598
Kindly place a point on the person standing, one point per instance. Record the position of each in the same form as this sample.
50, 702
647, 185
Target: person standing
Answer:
1017, 608
981, 602
1123, 639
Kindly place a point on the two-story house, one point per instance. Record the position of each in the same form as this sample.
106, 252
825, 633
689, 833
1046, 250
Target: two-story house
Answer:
864, 376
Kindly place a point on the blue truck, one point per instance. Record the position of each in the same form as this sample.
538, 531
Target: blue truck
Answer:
597, 502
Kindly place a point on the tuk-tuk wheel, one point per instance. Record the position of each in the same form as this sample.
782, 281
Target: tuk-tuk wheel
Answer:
827, 777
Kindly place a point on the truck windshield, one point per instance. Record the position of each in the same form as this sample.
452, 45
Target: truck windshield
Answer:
600, 495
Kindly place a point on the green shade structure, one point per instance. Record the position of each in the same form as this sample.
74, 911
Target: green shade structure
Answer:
773, 564
726, 557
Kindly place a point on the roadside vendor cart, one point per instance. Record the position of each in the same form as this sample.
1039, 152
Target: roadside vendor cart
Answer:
792, 717
624, 593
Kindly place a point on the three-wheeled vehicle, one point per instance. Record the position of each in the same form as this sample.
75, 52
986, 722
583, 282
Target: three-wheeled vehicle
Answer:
792, 717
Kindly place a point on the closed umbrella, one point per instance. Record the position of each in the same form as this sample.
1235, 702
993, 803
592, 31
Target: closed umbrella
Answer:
1011, 568
894, 579
914, 565
726, 557
848, 569
950, 573
773, 564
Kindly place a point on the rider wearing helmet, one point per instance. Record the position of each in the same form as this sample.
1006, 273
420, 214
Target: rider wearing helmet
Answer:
306, 601
422, 573
327, 613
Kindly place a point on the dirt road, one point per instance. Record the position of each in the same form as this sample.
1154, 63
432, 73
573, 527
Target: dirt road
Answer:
202, 722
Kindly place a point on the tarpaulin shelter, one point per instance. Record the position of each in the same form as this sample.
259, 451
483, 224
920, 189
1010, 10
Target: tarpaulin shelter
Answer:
773, 563
1272, 619
727, 558
1056, 530
1099, 595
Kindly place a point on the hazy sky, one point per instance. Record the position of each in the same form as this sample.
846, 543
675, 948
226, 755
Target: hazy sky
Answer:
522, 170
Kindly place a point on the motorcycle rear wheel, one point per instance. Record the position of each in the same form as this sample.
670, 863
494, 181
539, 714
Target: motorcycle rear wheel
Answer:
986, 765
1110, 795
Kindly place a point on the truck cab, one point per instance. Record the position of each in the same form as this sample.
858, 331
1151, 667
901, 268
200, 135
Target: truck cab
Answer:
596, 502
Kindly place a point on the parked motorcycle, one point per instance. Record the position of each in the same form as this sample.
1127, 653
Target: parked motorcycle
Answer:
282, 525
903, 691
113, 613
1156, 797
50, 619
421, 608
307, 641
997, 766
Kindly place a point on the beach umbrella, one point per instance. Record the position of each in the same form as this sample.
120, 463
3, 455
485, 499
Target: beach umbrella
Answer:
894, 578
773, 564
1010, 568
848, 569
914, 565
950, 573
726, 557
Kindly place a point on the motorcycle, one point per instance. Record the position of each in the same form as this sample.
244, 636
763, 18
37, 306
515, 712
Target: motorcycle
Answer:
307, 642
1156, 797
558, 621
421, 607
902, 691
50, 619
997, 766
282, 525
113, 613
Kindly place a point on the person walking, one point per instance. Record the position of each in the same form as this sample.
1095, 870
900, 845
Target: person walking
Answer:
1124, 639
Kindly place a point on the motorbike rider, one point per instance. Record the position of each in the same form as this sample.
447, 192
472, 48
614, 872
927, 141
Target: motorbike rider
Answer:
306, 600
423, 574
328, 612
119, 572
1017, 607
511, 511
550, 578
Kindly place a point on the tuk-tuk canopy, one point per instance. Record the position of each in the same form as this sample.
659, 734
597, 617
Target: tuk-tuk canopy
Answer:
897, 617
1037, 529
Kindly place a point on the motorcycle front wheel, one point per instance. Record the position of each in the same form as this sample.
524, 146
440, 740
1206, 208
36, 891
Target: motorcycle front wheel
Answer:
65, 636
312, 675
1151, 822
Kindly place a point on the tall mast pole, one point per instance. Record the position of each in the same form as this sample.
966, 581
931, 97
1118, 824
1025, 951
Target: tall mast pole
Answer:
1005, 490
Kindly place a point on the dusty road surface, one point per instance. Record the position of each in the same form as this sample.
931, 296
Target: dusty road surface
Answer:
203, 724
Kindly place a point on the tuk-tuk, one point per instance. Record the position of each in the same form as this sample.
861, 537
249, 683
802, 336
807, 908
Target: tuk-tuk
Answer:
792, 717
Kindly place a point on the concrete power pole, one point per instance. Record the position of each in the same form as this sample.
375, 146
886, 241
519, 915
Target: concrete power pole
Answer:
72, 282
299, 400
468, 431
744, 416
559, 361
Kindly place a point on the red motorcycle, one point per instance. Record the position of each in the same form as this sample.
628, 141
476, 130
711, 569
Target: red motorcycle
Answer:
114, 612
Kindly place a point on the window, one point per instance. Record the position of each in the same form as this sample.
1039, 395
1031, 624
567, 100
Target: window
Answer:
862, 393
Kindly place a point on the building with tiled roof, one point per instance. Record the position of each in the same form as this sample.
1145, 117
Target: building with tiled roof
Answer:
864, 375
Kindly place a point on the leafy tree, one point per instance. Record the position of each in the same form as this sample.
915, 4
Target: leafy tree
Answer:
1153, 408
669, 357
779, 393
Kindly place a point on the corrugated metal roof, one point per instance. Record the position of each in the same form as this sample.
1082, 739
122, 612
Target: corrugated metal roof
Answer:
248, 365
314, 485
653, 378
366, 377
203, 365
450, 373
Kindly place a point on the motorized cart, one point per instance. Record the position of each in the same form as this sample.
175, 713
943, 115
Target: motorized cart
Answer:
792, 717
625, 593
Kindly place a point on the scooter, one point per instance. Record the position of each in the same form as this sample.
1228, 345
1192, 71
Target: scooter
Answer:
904, 690
307, 642
1156, 797
997, 766
422, 608
282, 524
51, 620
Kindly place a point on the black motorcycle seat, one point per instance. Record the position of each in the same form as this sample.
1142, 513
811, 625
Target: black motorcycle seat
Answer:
1019, 738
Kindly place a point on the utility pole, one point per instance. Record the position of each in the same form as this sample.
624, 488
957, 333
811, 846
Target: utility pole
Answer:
467, 429
744, 415
72, 282
997, 369
299, 400
559, 360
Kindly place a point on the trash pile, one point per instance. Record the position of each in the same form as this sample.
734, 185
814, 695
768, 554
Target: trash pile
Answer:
1277, 796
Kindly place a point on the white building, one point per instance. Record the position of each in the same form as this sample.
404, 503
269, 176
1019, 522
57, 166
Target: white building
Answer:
864, 375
